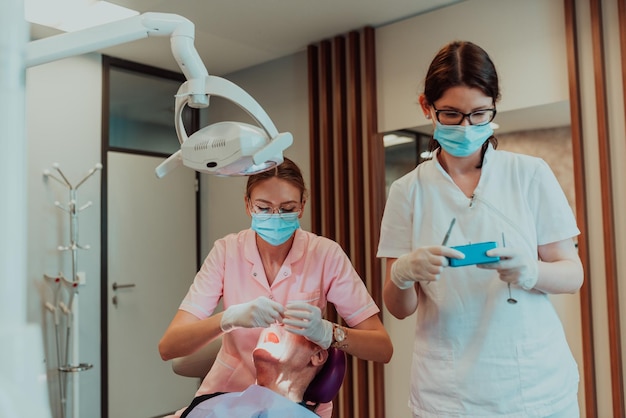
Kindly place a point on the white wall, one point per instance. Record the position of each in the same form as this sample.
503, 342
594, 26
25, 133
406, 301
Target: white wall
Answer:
63, 119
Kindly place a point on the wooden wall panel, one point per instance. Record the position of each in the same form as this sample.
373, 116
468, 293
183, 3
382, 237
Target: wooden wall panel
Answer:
376, 194
590, 14
314, 132
589, 375
344, 147
608, 218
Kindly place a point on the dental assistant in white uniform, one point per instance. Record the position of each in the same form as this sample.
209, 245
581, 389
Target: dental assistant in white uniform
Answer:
476, 353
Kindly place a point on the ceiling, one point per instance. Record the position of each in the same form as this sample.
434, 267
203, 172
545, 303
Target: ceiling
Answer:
235, 34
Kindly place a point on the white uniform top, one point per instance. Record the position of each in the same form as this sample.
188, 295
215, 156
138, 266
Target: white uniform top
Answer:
475, 355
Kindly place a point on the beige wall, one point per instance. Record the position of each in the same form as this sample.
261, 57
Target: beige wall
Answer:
554, 145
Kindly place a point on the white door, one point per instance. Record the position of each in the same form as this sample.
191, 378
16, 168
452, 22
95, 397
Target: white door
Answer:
151, 226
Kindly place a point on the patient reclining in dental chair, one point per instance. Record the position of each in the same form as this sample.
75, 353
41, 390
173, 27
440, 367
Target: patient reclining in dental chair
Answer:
294, 375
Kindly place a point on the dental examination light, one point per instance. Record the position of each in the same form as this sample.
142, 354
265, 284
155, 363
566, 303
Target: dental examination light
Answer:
224, 148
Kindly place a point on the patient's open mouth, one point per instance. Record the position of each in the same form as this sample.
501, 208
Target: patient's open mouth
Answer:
270, 337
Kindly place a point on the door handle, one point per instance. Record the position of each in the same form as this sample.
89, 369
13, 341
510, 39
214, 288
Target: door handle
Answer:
116, 286
122, 286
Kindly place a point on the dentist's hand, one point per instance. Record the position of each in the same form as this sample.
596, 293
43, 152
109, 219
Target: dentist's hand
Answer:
515, 267
258, 313
304, 319
423, 264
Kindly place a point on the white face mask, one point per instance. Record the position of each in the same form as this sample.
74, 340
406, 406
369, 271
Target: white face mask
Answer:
460, 140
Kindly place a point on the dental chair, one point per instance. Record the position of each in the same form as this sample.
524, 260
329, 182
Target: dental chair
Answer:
322, 389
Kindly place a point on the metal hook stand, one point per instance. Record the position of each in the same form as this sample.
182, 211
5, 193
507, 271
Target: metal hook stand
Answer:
60, 284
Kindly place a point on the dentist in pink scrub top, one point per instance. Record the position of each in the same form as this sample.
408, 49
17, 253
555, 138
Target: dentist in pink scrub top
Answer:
274, 272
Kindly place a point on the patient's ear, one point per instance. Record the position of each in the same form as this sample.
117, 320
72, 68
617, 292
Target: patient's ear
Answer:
319, 357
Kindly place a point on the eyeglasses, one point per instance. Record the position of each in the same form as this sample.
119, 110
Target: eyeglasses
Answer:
454, 117
264, 211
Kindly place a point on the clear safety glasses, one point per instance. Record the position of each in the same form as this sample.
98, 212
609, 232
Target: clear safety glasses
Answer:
263, 211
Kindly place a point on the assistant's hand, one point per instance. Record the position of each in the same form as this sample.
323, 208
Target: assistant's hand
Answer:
515, 266
422, 264
305, 319
260, 312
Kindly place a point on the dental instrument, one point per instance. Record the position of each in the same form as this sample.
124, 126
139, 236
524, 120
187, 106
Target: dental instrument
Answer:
447, 236
510, 300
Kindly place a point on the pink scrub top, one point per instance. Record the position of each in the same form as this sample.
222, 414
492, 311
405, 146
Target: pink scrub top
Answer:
316, 271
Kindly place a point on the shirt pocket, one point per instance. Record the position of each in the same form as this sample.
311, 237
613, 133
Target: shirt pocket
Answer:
548, 370
313, 298
433, 380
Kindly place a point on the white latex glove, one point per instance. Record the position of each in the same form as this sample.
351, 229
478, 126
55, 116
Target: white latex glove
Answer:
258, 313
515, 267
304, 319
422, 264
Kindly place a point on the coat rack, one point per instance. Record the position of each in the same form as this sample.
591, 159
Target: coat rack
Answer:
65, 290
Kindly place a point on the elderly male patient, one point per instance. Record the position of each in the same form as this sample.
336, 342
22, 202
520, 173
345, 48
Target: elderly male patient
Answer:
285, 364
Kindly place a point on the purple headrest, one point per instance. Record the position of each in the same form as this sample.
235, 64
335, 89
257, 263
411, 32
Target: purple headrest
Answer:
324, 387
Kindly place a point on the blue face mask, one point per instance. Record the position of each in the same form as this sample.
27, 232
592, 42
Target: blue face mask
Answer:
460, 140
275, 229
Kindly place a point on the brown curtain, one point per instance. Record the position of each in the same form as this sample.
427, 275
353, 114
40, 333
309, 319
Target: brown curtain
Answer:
347, 183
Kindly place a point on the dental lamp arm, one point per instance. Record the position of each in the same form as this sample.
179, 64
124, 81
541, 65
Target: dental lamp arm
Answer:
217, 86
180, 30
195, 92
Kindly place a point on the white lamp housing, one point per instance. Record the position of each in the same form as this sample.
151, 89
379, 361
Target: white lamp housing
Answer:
226, 148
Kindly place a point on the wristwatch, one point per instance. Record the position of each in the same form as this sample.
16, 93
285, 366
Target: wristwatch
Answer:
339, 336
